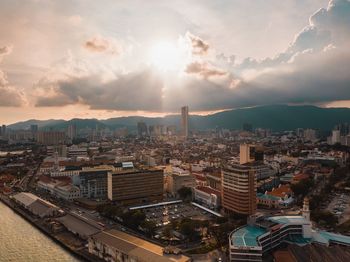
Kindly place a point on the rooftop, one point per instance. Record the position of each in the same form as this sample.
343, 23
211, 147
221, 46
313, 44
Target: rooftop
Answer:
289, 220
136, 247
331, 237
247, 236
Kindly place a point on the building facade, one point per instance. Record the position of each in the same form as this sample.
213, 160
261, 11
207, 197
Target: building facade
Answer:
179, 178
263, 234
184, 121
239, 189
132, 186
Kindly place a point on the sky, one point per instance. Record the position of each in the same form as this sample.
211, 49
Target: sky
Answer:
100, 59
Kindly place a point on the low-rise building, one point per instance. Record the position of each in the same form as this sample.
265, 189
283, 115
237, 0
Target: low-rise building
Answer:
179, 178
36, 205
81, 226
114, 245
207, 196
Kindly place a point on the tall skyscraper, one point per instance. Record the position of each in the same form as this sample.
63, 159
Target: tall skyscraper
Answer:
72, 131
335, 136
34, 128
184, 121
142, 129
3, 130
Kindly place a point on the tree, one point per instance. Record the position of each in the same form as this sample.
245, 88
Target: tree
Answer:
185, 193
302, 187
188, 228
133, 218
149, 227
325, 218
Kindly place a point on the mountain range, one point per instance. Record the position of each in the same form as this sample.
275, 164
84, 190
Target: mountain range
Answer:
274, 117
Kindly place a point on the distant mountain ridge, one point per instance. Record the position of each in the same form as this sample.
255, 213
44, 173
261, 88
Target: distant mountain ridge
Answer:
274, 117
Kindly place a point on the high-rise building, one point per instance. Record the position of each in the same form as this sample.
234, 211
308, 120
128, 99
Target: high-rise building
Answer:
142, 129
239, 188
132, 185
51, 137
34, 129
247, 127
335, 136
250, 153
184, 121
3, 130
310, 135
72, 131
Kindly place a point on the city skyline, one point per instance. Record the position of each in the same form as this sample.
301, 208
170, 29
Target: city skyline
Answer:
88, 60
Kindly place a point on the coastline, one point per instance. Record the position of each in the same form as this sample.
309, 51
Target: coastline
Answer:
83, 256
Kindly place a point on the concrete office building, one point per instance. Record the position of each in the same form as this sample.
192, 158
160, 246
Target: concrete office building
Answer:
72, 131
130, 185
179, 178
92, 182
142, 129
250, 153
239, 188
335, 136
51, 137
184, 121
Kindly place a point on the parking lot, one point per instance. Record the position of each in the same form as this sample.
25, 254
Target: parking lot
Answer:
340, 206
162, 215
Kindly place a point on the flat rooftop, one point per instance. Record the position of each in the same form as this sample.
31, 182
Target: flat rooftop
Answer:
300, 220
331, 237
135, 171
136, 247
247, 236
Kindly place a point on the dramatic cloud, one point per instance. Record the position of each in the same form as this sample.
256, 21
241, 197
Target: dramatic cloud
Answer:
313, 68
327, 27
102, 45
199, 46
5, 50
134, 91
9, 96
204, 70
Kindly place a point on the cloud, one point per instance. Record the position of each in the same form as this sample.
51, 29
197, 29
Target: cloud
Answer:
99, 44
199, 46
5, 50
312, 69
134, 91
327, 27
9, 96
204, 70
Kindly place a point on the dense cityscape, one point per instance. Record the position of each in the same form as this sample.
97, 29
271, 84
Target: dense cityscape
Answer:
174, 131
156, 193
